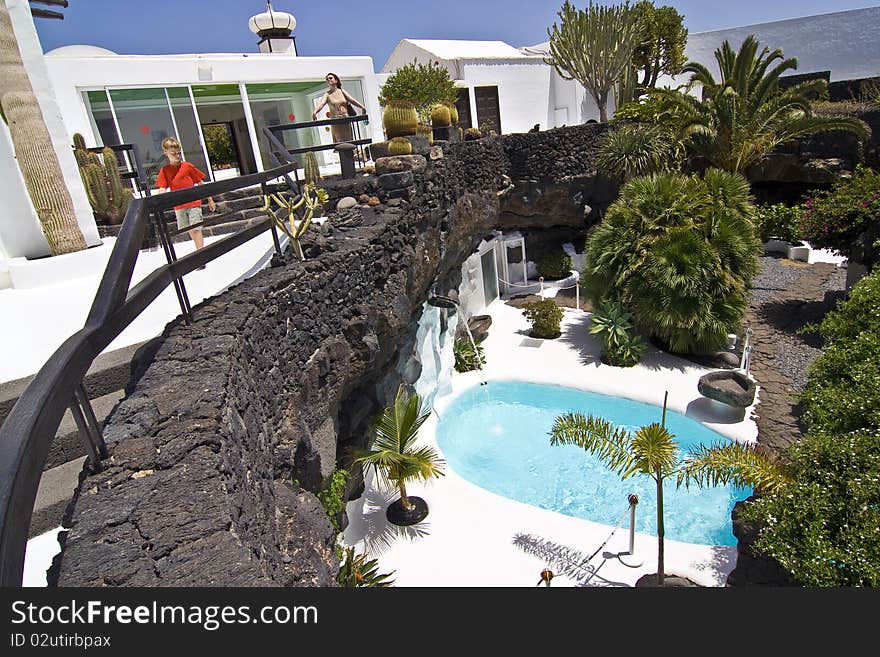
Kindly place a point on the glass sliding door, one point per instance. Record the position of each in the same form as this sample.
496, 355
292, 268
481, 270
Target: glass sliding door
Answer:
280, 103
229, 147
103, 125
144, 119
187, 125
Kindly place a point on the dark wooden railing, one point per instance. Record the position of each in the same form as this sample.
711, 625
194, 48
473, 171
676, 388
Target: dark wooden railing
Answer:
27, 433
282, 155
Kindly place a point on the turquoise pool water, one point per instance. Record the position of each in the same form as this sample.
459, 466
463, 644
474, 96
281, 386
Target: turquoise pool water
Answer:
497, 437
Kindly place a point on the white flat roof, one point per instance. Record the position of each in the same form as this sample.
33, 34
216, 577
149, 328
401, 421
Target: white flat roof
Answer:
454, 49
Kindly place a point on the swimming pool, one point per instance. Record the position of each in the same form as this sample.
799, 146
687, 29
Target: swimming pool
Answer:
497, 437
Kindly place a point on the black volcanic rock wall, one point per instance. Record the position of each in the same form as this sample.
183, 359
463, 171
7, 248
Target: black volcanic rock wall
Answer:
223, 438
215, 451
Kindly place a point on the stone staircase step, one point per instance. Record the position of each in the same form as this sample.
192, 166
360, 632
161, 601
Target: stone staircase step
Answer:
109, 372
56, 489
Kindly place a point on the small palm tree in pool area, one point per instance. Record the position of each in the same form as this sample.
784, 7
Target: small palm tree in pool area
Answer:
396, 460
653, 451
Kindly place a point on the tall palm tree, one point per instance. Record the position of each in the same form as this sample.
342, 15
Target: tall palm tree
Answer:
653, 451
395, 458
745, 113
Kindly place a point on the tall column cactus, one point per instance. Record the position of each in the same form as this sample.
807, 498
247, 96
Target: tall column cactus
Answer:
33, 147
108, 195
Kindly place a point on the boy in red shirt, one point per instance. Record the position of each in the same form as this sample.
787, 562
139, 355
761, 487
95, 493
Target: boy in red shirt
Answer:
176, 175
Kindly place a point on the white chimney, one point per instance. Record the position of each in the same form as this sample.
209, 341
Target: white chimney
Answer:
274, 29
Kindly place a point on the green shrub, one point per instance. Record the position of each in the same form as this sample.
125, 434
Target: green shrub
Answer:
637, 150
421, 84
835, 218
679, 252
332, 495
823, 526
357, 571
467, 355
546, 318
843, 384
621, 346
780, 221
554, 266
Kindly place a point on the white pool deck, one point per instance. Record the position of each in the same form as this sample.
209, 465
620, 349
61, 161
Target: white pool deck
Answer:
468, 538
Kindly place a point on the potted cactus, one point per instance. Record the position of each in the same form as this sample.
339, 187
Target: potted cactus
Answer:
441, 116
399, 118
399, 146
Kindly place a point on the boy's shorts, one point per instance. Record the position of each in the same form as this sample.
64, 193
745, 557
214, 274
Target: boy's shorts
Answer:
187, 217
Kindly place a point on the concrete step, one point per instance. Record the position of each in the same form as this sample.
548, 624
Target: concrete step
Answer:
109, 372
57, 487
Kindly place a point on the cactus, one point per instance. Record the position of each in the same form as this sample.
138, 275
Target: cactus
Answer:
311, 172
399, 146
428, 131
399, 118
108, 195
472, 133
453, 113
460, 134
34, 152
311, 198
441, 116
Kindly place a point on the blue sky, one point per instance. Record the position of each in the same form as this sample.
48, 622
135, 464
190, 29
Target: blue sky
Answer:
363, 27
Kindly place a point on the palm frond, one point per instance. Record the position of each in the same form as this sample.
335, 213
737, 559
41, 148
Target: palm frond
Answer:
609, 443
727, 463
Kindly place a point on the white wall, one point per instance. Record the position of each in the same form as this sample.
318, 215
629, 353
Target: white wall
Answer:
523, 92
20, 231
70, 75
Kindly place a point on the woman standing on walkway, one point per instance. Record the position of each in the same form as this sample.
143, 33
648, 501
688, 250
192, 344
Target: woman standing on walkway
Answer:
338, 101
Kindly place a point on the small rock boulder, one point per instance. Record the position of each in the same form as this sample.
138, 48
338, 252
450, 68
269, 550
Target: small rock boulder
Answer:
363, 198
399, 163
346, 202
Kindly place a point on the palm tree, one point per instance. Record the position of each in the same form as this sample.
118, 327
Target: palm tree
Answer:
678, 252
395, 458
746, 114
653, 451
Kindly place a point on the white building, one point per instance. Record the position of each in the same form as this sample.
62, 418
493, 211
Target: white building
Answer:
141, 99
498, 84
525, 90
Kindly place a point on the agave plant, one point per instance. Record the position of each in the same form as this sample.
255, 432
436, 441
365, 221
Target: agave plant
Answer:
627, 352
653, 451
358, 571
745, 113
395, 458
611, 322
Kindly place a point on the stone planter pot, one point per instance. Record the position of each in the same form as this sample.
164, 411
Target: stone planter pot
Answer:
730, 387
397, 515
800, 252
791, 251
